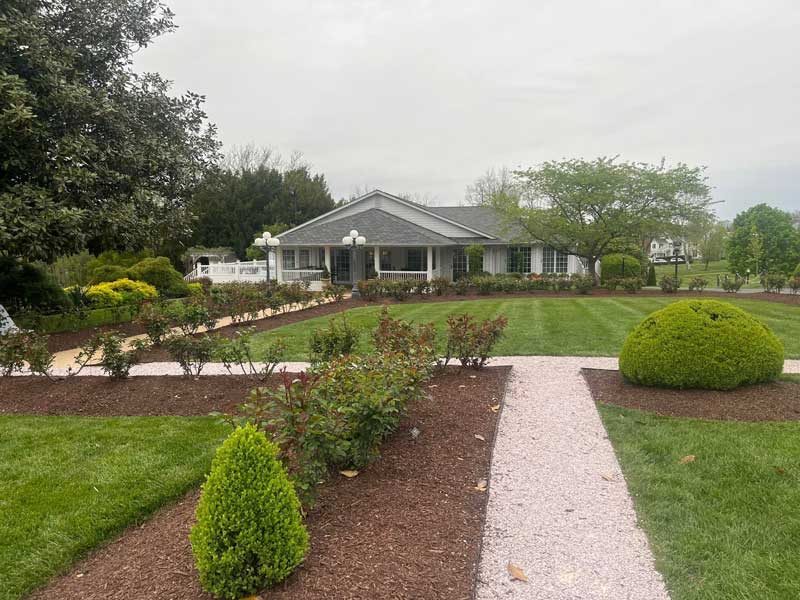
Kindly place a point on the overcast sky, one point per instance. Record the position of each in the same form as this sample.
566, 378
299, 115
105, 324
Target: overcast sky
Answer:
423, 97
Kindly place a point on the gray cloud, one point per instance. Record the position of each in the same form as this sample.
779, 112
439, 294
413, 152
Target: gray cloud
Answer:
425, 96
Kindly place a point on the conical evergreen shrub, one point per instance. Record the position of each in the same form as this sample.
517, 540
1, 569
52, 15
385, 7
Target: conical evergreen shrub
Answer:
249, 532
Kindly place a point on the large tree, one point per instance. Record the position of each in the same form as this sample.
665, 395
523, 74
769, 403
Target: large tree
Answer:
589, 208
254, 186
764, 239
92, 155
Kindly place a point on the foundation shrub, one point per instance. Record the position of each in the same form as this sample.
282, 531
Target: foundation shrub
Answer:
440, 286
249, 532
631, 284
471, 342
338, 339
583, 284
702, 344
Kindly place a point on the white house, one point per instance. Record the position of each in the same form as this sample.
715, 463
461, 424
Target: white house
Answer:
405, 240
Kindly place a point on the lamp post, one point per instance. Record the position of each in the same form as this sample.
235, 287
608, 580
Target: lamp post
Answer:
268, 244
353, 242
676, 245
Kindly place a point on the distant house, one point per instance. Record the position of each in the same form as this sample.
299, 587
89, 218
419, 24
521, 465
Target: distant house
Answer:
405, 240
662, 249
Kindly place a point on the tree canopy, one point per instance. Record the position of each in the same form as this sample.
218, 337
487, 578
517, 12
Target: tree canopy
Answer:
93, 155
764, 239
591, 208
253, 187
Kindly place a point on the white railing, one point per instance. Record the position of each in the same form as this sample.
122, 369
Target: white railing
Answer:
255, 270
403, 275
302, 274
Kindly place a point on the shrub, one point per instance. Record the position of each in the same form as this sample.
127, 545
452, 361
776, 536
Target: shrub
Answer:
774, 282
669, 284
191, 353
338, 339
797, 271
195, 288
631, 284
18, 348
471, 343
651, 276
475, 254
698, 284
611, 267
115, 360
611, 284
562, 284
244, 301
101, 295
160, 273
732, 284
403, 337
24, 286
794, 285
370, 289
154, 318
236, 351
583, 284
105, 273
440, 286
190, 316
130, 292
461, 286
704, 344
249, 532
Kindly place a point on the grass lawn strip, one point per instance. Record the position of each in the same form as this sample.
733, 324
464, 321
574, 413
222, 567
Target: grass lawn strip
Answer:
543, 326
68, 484
408, 526
726, 524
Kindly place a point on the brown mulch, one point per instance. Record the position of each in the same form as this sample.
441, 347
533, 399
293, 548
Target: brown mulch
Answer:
135, 396
777, 401
408, 526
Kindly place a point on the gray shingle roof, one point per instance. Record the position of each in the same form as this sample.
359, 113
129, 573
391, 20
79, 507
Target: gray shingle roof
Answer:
380, 227
482, 218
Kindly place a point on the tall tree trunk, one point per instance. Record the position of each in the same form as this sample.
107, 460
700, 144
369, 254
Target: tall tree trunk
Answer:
592, 260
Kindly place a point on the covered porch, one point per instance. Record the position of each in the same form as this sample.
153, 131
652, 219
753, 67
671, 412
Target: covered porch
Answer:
308, 264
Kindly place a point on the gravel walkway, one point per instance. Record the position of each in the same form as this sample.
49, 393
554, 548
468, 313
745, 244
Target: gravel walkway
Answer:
559, 507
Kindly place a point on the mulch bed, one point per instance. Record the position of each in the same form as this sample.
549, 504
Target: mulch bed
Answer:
408, 526
777, 401
135, 396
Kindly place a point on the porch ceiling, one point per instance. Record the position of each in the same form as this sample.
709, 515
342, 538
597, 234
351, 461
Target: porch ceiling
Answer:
378, 226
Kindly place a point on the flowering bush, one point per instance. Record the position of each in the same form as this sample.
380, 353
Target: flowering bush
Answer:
338, 339
471, 342
698, 284
18, 348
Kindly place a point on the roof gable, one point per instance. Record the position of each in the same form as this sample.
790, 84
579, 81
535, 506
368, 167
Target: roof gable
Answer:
405, 210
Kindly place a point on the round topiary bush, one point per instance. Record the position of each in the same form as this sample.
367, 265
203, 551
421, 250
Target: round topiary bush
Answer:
611, 267
249, 533
701, 344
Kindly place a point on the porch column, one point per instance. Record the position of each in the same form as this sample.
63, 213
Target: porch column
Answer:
328, 258
278, 264
430, 263
377, 256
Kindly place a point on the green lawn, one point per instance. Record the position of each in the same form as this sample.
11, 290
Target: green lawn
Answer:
581, 326
726, 525
69, 483
715, 267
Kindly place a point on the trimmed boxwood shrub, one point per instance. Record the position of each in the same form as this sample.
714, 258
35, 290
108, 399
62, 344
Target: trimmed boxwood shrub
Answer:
249, 533
701, 344
611, 267
160, 273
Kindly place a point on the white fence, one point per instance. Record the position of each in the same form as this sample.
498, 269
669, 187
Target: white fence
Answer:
255, 270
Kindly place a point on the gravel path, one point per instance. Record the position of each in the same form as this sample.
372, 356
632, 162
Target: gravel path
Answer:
559, 507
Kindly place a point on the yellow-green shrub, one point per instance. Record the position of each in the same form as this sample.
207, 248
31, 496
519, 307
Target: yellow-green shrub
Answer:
249, 533
121, 291
701, 344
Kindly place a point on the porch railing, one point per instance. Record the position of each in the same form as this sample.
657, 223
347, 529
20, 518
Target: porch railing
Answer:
302, 274
403, 275
255, 270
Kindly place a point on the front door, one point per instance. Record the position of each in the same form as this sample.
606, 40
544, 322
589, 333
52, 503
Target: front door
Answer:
341, 266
